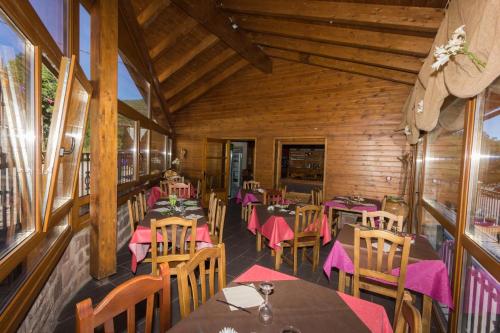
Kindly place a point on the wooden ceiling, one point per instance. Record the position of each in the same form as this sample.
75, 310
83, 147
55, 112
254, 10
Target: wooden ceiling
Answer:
193, 45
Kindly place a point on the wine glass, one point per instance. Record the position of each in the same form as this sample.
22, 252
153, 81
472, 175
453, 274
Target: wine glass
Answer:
265, 309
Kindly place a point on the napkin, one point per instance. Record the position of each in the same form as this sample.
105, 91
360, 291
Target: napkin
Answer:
243, 296
191, 203
161, 210
162, 203
192, 208
193, 217
387, 247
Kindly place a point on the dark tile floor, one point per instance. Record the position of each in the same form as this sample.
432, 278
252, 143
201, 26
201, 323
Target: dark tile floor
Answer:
241, 254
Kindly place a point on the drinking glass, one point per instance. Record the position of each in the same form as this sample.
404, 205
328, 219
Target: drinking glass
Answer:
265, 309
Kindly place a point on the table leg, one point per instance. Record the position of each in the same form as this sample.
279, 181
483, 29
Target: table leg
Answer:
277, 259
426, 314
259, 242
341, 281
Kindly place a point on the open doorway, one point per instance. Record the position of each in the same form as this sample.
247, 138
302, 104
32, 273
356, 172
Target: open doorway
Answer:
241, 166
300, 164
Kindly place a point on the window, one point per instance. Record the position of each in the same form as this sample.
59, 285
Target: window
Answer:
144, 152
84, 55
129, 92
126, 149
443, 160
483, 224
54, 15
49, 87
157, 152
17, 137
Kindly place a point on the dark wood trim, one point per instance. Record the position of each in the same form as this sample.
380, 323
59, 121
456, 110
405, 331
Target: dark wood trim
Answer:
57, 215
18, 254
483, 257
421, 187
447, 224
144, 121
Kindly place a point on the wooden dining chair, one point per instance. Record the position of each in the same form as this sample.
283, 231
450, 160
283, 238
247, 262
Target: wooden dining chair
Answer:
124, 299
385, 220
251, 185
133, 214
212, 208
208, 264
333, 220
142, 203
176, 179
164, 187
217, 228
379, 265
272, 197
408, 316
317, 196
306, 233
181, 190
176, 245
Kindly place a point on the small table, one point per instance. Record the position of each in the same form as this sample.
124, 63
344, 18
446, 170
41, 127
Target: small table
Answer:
278, 227
244, 197
305, 305
426, 273
141, 239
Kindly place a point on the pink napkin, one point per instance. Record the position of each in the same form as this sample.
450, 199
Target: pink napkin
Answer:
259, 273
371, 314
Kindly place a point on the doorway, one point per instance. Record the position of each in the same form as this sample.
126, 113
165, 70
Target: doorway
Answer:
242, 164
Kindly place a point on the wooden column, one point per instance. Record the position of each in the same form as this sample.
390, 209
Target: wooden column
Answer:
103, 124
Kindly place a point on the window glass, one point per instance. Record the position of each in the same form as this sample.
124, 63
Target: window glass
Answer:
84, 56
54, 15
72, 140
158, 151
144, 152
129, 92
480, 310
17, 137
483, 223
49, 89
126, 149
443, 160
84, 170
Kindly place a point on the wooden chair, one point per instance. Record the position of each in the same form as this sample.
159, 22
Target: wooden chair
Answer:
217, 228
317, 197
251, 185
376, 268
212, 209
123, 299
272, 197
192, 278
142, 203
408, 316
333, 221
385, 220
176, 179
133, 214
181, 190
175, 247
164, 187
306, 233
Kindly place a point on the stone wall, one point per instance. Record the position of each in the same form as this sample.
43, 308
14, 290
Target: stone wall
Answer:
70, 274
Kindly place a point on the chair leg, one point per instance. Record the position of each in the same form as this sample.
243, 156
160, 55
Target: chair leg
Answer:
243, 213
259, 242
315, 255
304, 254
295, 257
277, 258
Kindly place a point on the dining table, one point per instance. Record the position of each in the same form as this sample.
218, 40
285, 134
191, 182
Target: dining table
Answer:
303, 305
140, 242
276, 223
244, 197
426, 273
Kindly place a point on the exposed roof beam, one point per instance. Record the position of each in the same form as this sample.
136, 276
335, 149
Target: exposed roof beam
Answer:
397, 17
193, 77
370, 57
151, 12
180, 62
205, 12
389, 42
345, 66
207, 85
168, 40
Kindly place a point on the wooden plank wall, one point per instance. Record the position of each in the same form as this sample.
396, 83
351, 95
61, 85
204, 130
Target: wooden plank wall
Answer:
356, 114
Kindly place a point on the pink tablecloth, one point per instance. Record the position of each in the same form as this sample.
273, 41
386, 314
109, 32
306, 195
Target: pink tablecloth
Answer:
341, 205
141, 242
154, 195
277, 230
429, 277
245, 200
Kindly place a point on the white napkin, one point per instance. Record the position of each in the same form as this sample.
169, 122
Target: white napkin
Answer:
192, 208
162, 203
387, 247
161, 210
193, 217
243, 296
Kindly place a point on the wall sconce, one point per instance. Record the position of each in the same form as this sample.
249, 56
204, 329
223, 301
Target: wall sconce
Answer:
388, 179
70, 151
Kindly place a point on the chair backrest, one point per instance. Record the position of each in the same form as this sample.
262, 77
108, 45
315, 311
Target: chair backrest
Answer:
251, 185
307, 221
123, 299
176, 179
142, 203
217, 228
375, 266
385, 220
298, 197
317, 196
272, 197
164, 187
212, 209
408, 317
133, 213
181, 190
192, 278
176, 244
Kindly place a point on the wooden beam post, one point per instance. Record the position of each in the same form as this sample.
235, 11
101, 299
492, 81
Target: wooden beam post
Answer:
103, 141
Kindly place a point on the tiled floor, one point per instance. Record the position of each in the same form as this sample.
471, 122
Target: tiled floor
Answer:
241, 254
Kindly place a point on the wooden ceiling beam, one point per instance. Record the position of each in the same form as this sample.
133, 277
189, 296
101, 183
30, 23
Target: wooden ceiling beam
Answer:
151, 12
193, 77
177, 64
344, 66
172, 38
388, 42
397, 17
207, 85
353, 54
205, 12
